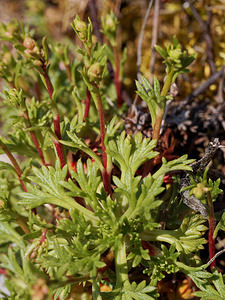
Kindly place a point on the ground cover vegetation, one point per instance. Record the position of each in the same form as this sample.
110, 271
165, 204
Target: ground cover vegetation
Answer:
112, 189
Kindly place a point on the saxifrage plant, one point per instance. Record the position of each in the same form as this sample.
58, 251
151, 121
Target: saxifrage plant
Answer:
75, 208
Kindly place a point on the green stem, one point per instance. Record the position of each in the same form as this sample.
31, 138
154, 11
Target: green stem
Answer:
160, 112
167, 236
167, 83
121, 262
95, 288
69, 202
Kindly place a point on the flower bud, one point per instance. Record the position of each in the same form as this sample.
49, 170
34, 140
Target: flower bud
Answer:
29, 43
95, 71
7, 58
80, 25
37, 63
81, 28
197, 192
110, 23
200, 190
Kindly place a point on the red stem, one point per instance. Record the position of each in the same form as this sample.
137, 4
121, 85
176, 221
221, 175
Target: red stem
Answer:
105, 175
56, 122
87, 104
35, 141
47, 81
3, 271
12, 84
37, 91
68, 73
117, 78
211, 240
59, 152
56, 119
14, 163
34, 138
43, 236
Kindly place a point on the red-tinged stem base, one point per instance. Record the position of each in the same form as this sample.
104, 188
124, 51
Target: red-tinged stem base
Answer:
14, 163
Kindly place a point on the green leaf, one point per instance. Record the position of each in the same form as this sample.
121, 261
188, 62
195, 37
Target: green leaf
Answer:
156, 87
188, 238
161, 51
45, 48
6, 166
181, 163
79, 144
9, 234
48, 190
219, 226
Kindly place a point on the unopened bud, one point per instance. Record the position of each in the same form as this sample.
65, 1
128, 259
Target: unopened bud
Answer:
81, 27
7, 58
197, 192
29, 43
200, 190
37, 63
110, 23
95, 71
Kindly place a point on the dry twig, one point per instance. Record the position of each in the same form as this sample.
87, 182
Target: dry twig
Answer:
205, 25
155, 31
140, 41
